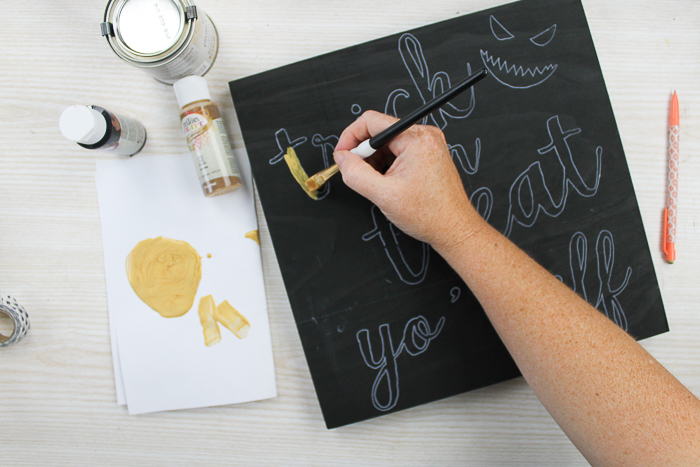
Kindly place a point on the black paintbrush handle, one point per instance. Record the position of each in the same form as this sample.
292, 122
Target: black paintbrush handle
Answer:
394, 130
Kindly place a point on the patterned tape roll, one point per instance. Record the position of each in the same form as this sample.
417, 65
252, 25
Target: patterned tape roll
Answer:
20, 318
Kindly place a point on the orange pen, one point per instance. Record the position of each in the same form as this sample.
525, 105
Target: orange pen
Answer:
671, 211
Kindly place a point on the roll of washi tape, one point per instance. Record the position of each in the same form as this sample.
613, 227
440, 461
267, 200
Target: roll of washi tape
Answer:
20, 318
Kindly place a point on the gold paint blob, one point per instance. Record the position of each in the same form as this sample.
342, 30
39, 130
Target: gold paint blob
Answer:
232, 319
212, 335
298, 172
165, 274
208, 255
253, 235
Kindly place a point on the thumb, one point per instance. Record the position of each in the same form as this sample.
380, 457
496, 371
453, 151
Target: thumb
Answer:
358, 174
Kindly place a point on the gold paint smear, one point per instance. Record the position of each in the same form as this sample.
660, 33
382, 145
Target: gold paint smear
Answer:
212, 335
253, 235
232, 319
165, 274
298, 172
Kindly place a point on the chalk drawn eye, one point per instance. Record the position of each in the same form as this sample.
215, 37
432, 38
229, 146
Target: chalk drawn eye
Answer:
501, 33
545, 37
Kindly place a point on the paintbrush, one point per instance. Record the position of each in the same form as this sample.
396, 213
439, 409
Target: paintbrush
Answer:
368, 147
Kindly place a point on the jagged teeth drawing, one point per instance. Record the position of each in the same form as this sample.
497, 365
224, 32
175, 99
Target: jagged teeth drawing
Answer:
496, 64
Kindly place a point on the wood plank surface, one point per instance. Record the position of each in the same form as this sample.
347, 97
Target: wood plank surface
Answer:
57, 392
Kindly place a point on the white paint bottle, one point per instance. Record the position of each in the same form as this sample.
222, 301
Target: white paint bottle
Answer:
93, 127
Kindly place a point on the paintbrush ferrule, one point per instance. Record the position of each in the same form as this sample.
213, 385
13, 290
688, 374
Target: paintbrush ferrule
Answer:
317, 181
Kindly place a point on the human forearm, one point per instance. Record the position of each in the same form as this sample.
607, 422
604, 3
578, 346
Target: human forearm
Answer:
616, 403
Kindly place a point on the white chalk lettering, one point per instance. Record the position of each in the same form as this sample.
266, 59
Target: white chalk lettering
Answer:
415, 340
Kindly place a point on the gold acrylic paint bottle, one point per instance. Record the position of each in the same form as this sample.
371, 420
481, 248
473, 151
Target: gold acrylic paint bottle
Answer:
206, 137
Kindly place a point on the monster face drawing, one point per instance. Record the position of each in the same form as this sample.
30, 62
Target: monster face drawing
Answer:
505, 65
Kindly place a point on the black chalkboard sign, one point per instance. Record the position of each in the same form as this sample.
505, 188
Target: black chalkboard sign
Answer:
385, 323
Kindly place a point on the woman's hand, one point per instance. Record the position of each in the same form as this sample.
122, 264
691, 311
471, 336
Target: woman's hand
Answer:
412, 179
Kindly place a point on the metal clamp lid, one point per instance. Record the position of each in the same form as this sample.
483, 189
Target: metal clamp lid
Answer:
148, 32
190, 12
107, 29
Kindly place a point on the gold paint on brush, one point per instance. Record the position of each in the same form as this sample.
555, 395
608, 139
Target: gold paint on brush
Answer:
253, 235
316, 181
298, 172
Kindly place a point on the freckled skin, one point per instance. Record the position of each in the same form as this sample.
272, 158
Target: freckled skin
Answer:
615, 402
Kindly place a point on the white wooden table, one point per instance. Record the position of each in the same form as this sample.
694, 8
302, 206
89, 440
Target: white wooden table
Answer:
57, 390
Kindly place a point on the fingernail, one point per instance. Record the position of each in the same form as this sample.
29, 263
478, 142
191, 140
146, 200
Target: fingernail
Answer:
339, 158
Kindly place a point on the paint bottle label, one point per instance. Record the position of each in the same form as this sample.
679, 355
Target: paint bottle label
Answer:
210, 149
196, 59
132, 135
94, 127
